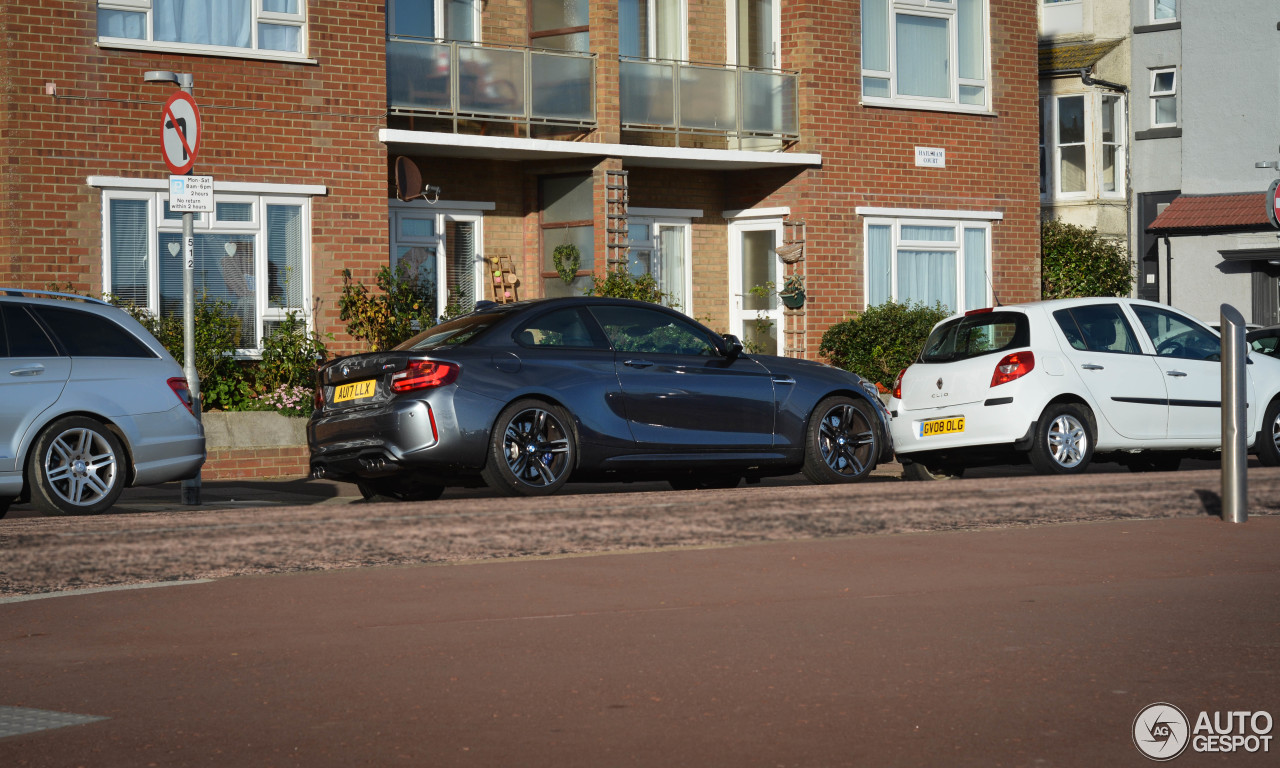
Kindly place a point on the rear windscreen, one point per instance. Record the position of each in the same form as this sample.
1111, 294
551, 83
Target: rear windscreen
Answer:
454, 332
975, 335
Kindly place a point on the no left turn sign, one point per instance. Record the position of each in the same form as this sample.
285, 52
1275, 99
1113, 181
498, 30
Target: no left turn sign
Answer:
180, 132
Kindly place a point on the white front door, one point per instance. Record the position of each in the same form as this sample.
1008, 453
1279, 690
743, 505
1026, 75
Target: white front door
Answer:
755, 273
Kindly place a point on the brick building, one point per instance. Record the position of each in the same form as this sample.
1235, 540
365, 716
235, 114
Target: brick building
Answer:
886, 148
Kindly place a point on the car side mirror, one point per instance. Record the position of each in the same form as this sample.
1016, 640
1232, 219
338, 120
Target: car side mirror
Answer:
732, 346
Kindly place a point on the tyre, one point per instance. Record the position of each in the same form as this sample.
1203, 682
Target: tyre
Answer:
840, 443
704, 482
406, 487
913, 469
1064, 441
76, 467
532, 450
1268, 447
1155, 461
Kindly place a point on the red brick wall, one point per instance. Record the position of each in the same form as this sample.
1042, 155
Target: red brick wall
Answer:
291, 461
263, 121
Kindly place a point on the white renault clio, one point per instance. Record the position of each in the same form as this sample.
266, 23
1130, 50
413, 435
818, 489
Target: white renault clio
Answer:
1064, 382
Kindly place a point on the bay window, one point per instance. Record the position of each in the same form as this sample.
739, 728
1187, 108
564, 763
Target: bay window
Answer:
259, 28
1082, 145
926, 54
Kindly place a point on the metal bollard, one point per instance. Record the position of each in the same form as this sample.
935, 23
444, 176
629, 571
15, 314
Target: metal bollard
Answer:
1235, 456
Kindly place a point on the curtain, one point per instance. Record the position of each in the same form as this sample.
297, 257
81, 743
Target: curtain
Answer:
125, 24
284, 257
879, 264
224, 272
930, 234
922, 58
969, 17
204, 22
671, 248
975, 269
928, 277
875, 35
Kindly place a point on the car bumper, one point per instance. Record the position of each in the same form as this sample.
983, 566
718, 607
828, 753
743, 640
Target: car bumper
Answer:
1000, 424
166, 446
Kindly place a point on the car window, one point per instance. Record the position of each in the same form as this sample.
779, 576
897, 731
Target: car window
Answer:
639, 329
460, 330
85, 334
1098, 328
1174, 335
1266, 345
560, 328
975, 335
22, 336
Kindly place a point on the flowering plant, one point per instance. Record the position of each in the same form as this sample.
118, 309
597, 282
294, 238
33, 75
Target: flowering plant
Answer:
289, 400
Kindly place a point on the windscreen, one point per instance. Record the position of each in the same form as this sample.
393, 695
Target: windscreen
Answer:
976, 335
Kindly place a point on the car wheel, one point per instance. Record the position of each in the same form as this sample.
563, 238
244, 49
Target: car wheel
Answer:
1155, 461
914, 469
531, 451
1063, 443
1269, 440
76, 467
840, 443
699, 482
400, 487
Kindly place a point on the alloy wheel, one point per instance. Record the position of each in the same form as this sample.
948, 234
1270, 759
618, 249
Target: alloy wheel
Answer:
81, 467
536, 446
845, 440
1068, 441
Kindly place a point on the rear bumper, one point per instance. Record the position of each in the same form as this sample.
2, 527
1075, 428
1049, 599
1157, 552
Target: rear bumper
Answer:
1000, 425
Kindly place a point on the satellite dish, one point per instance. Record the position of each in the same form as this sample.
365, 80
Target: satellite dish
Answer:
409, 184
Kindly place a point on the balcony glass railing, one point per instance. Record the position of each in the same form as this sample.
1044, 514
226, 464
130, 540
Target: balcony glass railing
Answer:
465, 81
736, 102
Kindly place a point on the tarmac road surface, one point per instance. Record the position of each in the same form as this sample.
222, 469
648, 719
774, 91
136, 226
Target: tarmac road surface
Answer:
1032, 645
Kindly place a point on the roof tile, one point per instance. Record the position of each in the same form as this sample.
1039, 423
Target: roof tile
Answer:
1192, 213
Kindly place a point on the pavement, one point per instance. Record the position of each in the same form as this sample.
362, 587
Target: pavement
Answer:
1023, 646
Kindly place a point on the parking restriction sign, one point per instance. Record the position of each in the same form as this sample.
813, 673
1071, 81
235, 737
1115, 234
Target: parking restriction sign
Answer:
180, 132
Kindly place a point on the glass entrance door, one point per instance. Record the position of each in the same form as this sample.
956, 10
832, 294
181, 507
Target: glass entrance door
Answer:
754, 274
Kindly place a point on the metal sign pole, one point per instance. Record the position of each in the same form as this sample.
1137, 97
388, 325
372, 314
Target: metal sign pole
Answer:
191, 486
1235, 457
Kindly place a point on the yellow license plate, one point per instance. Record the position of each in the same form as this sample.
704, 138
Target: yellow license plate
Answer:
948, 426
356, 390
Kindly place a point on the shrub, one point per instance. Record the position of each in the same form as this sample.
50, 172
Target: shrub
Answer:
621, 284
1075, 262
405, 306
289, 356
882, 340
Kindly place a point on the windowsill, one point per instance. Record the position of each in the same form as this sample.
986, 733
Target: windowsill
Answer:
1163, 26
1158, 133
194, 50
951, 108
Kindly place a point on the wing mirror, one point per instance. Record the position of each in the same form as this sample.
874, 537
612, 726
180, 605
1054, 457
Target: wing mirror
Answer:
732, 346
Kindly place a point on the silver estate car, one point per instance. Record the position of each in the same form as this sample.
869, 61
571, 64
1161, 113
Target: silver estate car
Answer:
523, 396
90, 403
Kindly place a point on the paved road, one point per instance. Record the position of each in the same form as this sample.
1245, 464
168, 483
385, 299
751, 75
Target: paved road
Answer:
1014, 646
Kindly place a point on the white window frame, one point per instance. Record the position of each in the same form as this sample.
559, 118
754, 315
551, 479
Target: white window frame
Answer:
149, 43
1051, 150
733, 54
652, 33
1153, 4
1156, 95
442, 212
204, 223
944, 9
657, 219
897, 218
438, 8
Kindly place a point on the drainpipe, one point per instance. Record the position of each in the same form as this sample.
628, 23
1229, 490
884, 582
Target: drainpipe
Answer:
1168, 271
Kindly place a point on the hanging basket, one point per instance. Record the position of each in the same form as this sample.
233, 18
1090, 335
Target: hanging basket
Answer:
792, 300
791, 253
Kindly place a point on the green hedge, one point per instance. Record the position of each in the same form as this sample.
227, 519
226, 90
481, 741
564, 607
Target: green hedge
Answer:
881, 341
1076, 262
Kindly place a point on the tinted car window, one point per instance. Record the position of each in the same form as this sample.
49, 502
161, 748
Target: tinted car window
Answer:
1175, 336
458, 331
84, 334
1265, 344
975, 335
638, 329
561, 328
1098, 328
22, 336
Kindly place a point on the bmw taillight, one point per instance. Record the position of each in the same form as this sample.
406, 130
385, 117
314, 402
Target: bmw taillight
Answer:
1013, 366
180, 388
423, 374
318, 401
897, 384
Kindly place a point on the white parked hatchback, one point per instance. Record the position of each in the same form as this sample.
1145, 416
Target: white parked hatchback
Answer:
1063, 382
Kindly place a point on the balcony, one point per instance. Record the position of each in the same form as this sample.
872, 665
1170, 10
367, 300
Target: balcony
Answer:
750, 108
486, 84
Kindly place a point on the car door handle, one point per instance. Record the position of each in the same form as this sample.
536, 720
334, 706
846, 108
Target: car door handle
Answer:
31, 370
637, 363
1176, 374
783, 380
1092, 367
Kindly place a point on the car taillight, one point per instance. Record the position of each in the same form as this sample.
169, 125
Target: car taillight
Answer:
1013, 366
897, 384
423, 374
318, 400
180, 388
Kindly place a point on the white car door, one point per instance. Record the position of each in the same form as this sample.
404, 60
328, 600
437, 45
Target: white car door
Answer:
1126, 384
1188, 355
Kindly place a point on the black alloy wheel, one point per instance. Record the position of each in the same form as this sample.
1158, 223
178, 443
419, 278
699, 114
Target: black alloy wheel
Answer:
532, 450
841, 444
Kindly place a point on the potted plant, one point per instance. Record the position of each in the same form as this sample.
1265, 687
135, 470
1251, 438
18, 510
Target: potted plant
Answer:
792, 293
